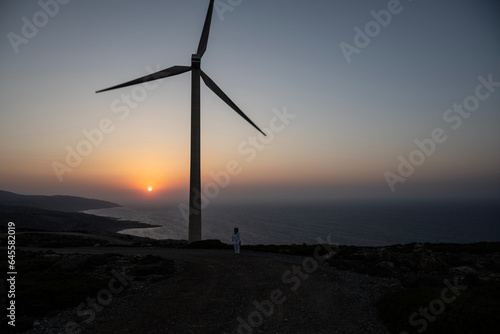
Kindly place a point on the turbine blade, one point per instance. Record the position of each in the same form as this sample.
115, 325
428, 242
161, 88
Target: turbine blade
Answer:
171, 71
209, 82
202, 47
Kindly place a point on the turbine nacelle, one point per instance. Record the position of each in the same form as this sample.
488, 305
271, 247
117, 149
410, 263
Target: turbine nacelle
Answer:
195, 61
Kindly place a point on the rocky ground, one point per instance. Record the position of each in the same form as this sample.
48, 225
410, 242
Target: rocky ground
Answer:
164, 287
417, 263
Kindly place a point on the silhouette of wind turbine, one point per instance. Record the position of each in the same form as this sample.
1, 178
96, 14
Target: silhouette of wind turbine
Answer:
196, 73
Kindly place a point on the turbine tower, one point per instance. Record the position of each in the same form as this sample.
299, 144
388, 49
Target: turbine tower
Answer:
196, 73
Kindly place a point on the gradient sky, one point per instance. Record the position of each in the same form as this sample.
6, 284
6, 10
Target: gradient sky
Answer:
352, 120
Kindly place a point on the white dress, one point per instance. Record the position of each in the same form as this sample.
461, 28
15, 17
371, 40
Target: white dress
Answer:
236, 242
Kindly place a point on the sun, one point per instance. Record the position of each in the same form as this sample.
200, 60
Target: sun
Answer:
150, 188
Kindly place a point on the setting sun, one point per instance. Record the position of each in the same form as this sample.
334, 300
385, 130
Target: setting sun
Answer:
150, 188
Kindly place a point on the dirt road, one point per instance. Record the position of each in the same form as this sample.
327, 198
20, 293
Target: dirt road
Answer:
215, 291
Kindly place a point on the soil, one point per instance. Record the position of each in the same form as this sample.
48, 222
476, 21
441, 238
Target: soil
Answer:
216, 291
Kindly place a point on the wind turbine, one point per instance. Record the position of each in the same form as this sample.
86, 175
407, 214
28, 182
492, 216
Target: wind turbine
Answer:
196, 73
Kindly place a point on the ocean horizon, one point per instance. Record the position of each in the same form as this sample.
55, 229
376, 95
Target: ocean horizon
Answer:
358, 223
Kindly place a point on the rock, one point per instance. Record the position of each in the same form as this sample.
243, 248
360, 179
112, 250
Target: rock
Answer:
385, 265
384, 254
70, 262
424, 260
465, 270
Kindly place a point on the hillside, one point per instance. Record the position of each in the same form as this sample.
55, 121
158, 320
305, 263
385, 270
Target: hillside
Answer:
50, 220
53, 203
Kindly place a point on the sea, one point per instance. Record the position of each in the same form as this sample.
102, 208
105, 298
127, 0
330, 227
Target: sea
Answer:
359, 223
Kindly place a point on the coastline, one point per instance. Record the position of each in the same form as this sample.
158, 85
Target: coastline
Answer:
366, 224
129, 227
44, 220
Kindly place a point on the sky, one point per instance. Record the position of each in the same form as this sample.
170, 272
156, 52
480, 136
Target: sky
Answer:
359, 99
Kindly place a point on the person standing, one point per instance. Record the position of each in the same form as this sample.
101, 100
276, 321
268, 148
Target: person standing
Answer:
236, 241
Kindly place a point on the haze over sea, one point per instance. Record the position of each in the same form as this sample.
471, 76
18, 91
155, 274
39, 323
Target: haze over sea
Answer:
360, 223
